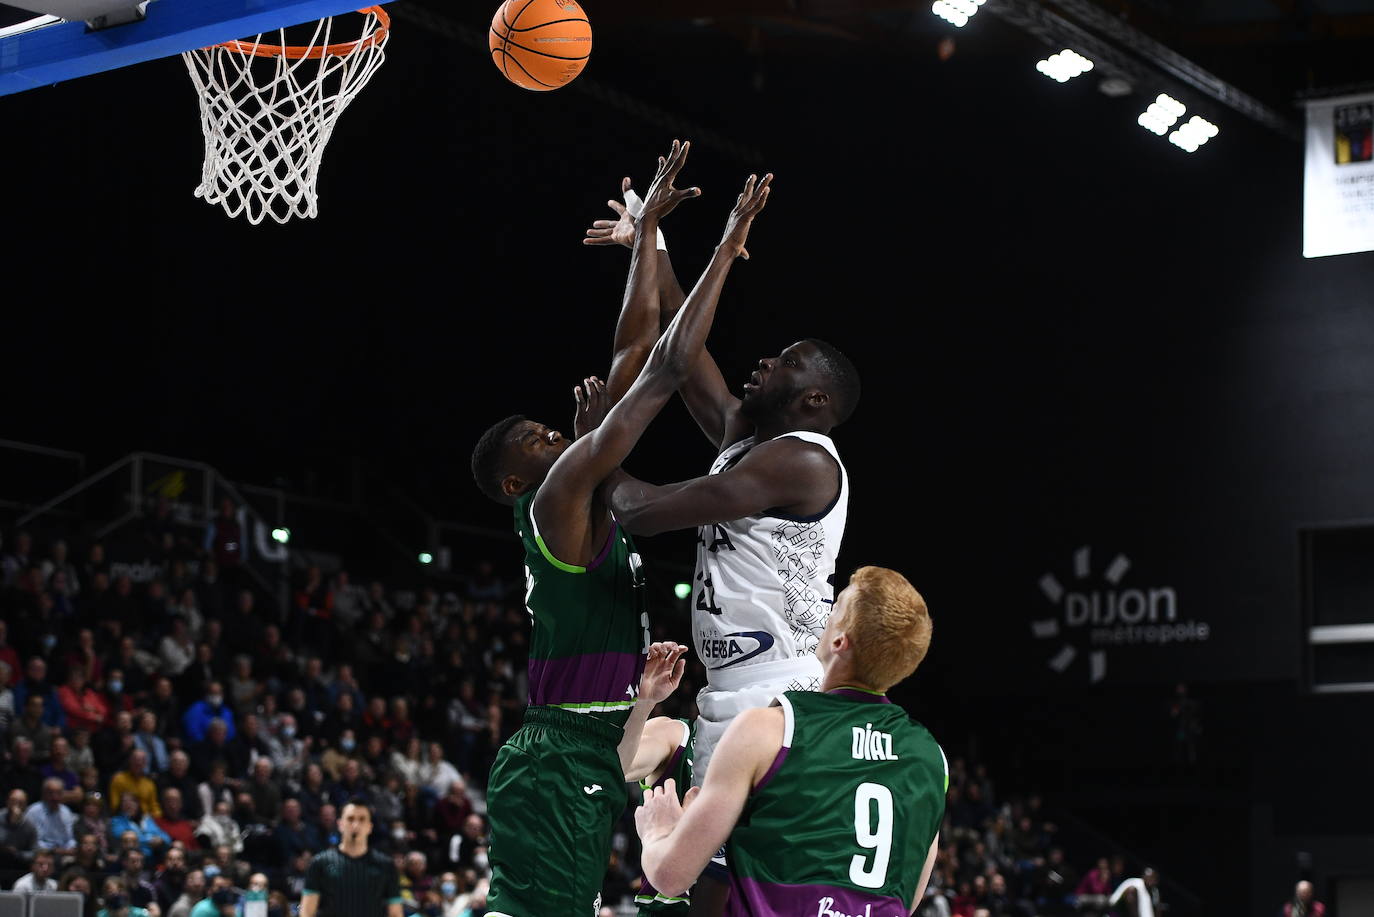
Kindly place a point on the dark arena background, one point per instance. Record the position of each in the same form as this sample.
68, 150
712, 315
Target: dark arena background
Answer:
1115, 427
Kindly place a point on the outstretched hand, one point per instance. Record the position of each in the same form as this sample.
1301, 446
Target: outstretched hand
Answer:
747, 206
662, 197
662, 671
661, 811
620, 231
592, 406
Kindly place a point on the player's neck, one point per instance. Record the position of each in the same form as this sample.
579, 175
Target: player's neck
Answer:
355, 849
839, 677
773, 428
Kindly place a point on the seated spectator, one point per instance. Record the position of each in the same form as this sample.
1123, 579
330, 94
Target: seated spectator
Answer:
171, 878
6, 697
117, 900
195, 723
58, 766
80, 757
1097, 883
215, 749
448, 894
222, 902
179, 777
147, 739
192, 893
36, 684
18, 838
263, 789
388, 799
375, 757
329, 827
411, 764
135, 666
225, 859
40, 878
141, 891
342, 717
216, 789
164, 704
248, 746
293, 835
219, 829
152, 840
1053, 881
177, 650
52, 820
349, 785
469, 847
86, 658
33, 727
243, 687
112, 746
89, 857
136, 782
414, 882
287, 751
94, 820
442, 774
312, 792
77, 880
173, 820
453, 810
21, 773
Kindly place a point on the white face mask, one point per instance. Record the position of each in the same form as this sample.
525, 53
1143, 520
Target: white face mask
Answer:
480, 861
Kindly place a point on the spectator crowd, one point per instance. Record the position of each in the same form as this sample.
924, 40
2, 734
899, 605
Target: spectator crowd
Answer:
178, 747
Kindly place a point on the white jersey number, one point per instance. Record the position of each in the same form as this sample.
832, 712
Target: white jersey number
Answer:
877, 838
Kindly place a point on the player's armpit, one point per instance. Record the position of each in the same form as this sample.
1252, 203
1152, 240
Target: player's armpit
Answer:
787, 475
744, 754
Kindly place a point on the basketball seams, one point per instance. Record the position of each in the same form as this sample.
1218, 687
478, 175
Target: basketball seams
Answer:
545, 53
527, 73
550, 22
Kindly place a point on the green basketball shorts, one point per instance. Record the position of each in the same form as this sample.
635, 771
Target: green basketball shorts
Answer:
555, 793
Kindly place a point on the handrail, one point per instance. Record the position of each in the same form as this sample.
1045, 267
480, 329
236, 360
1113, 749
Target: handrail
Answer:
43, 450
74, 490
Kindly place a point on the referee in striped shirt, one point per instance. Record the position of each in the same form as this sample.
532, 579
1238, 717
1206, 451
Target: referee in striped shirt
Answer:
350, 880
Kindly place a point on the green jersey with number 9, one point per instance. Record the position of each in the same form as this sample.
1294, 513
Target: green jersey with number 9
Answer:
842, 821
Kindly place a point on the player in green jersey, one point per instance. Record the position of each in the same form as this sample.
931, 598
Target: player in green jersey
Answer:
665, 753
831, 801
558, 784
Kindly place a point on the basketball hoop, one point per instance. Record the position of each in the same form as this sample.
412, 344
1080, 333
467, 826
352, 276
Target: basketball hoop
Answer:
267, 111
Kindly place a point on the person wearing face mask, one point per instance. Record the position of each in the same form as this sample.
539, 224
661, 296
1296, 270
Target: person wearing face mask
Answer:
448, 894
195, 722
286, 749
117, 901
192, 891
254, 901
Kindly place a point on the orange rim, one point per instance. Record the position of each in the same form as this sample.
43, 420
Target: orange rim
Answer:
314, 52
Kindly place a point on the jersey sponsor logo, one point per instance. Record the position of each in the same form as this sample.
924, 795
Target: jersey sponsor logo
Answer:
871, 745
720, 538
735, 648
589, 790
826, 908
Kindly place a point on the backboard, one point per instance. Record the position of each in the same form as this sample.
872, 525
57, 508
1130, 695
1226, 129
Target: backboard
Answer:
76, 38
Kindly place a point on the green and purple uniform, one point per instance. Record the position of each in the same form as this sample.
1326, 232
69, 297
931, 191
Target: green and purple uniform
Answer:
679, 768
557, 787
842, 821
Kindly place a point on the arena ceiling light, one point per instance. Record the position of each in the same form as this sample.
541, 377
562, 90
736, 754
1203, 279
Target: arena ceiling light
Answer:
1064, 66
956, 12
281, 535
1193, 134
1162, 114
682, 590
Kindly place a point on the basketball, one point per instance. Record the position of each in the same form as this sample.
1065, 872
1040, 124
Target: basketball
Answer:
540, 44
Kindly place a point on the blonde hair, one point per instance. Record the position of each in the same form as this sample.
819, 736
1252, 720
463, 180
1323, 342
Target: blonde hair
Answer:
888, 624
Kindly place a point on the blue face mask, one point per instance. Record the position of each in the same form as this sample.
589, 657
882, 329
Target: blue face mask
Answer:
347, 744
449, 889
289, 731
116, 686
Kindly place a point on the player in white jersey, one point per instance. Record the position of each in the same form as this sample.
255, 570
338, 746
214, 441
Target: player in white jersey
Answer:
770, 517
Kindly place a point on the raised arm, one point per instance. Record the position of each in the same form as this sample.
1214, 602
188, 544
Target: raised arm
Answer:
662, 673
640, 324
679, 840
563, 504
786, 475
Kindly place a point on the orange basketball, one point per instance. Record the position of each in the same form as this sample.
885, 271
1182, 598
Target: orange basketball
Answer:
540, 44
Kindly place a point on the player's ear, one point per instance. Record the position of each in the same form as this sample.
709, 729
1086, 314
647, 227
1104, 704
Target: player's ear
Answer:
816, 399
512, 486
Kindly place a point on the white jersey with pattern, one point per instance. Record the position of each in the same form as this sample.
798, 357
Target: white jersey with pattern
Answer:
765, 584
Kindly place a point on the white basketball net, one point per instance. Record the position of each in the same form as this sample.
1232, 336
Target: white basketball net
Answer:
267, 118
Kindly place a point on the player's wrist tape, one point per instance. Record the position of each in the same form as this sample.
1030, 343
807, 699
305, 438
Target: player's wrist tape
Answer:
635, 205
